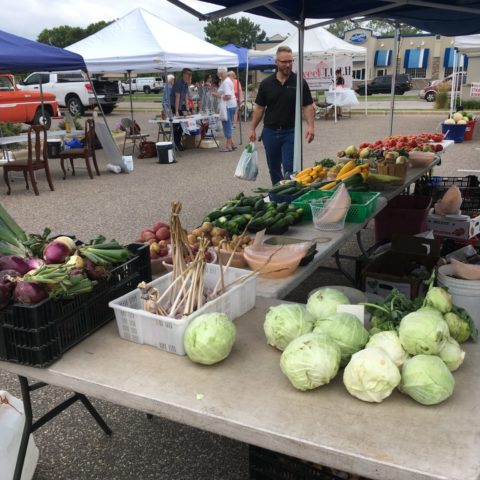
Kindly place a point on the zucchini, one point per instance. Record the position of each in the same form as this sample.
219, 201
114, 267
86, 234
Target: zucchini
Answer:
356, 179
284, 186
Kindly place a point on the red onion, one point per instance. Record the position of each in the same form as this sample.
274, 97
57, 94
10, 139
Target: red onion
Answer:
28, 293
34, 263
95, 272
6, 286
12, 262
56, 252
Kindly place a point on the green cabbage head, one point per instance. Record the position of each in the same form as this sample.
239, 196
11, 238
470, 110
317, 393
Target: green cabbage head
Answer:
439, 299
324, 301
427, 379
285, 322
452, 354
423, 332
390, 343
459, 327
209, 338
346, 330
310, 361
371, 375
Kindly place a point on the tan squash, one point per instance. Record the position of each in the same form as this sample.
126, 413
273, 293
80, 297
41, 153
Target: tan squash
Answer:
465, 271
451, 202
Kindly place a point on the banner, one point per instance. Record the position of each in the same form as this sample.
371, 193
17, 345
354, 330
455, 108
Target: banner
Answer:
475, 89
319, 73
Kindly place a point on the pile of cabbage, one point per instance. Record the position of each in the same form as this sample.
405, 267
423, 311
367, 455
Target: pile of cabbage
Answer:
418, 357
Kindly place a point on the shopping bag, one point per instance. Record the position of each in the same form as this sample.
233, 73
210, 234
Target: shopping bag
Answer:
247, 167
12, 420
222, 111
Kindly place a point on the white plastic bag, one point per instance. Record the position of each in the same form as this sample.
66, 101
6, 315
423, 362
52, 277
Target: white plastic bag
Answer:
12, 420
222, 111
247, 167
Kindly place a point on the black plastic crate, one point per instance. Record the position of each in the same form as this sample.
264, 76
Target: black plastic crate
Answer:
436, 186
268, 465
39, 334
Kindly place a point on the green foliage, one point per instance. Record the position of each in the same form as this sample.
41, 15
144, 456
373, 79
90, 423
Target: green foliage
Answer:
470, 104
8, 129
442, 98
242, 32
378, 26
65, 35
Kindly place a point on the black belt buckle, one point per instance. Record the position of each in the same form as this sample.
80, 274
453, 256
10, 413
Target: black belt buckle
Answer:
278, 129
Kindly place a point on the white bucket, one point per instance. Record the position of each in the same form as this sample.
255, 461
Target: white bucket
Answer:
465, 293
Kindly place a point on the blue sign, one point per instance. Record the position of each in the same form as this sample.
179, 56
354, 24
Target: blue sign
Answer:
358, 38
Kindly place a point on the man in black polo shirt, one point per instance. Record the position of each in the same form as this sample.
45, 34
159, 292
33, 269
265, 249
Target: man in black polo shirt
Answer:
276, 98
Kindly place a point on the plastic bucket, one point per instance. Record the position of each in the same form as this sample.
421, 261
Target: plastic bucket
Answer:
465, 293
454, 132
469, 130
165, 152
405, 214
54, 147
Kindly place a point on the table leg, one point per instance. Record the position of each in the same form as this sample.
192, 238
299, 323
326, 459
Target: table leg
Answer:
27, 428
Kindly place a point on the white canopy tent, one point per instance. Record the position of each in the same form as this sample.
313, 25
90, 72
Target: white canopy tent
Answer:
318, 43
468, 44
142, 42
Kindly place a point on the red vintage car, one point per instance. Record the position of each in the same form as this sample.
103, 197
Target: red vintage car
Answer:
23, 106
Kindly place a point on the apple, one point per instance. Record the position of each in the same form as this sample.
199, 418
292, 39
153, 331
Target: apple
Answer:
158, 225
147, 235
163, 233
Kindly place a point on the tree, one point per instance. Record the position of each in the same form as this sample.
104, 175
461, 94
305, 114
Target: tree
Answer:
379, 27
243, 32
65, 35
338, 28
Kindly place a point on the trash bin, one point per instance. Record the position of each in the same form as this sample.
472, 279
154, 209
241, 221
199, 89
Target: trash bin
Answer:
405, 214
165, 152
454, 131
469, 130
54, 147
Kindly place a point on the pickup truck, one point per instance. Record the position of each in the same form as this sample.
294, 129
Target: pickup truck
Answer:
74, 91
144, 84
24, 106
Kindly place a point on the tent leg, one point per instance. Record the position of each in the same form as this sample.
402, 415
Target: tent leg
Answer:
239, 115
131, 99
394, 78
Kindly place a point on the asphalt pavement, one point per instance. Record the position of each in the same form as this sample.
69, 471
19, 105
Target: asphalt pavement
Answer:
71, 446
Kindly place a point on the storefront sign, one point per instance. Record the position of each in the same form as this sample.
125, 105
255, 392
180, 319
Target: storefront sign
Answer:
475, 89
320, 74
358, 38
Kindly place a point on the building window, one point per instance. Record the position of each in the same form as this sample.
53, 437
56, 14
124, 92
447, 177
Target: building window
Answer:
381, 72
417, 72
358, 74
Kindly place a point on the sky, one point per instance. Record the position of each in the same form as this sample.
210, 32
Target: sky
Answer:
27, 18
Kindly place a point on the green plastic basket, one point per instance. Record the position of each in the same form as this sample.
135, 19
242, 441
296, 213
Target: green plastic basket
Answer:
363, 204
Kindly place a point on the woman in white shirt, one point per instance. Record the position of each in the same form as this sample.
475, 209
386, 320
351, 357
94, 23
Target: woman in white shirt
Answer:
226, 93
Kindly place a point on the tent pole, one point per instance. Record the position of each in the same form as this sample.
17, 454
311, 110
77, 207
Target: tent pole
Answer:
454, 79
366, 76
298, 147
239, 115
394, 78
245, 93
42, 103
130, 89
334, 88
98, 102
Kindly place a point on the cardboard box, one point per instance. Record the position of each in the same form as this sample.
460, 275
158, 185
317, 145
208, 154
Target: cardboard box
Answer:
404, 267
191, 141
451, 227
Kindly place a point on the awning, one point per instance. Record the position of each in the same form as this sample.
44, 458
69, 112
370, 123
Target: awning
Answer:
448, 59
383, 58
416, 58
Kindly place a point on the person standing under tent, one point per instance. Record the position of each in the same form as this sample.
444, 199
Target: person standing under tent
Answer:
167, 91
226, 96
339, 82
178, 101
276, 99
237, 87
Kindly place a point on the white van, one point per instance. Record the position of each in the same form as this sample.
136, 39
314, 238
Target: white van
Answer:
144, 84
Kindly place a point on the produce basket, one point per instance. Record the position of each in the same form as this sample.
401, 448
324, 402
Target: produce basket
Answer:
39, 334
362, 207
393, 169
268, 465
319, 209
436, 186
139, 326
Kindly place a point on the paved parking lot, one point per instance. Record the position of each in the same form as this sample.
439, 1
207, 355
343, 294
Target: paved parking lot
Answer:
71, 446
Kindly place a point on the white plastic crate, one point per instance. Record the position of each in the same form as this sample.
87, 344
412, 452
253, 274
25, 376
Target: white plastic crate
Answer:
139, 326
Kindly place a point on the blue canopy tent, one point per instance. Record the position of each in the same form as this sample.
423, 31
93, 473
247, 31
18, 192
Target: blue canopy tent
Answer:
444, 17
17, 54
253, 63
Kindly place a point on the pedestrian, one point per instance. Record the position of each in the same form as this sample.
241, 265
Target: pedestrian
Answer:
237, 88
339, 82
178, 102
167, 90
276, 99
226, 95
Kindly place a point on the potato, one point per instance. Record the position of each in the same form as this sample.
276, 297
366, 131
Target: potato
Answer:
207, 227
192, 239
197, 232
158, 225
216, 240
162, 233
216, 232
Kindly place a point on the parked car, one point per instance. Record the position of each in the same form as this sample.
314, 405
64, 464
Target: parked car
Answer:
74, 91
144, 84
383, 84
429, 93
24, 106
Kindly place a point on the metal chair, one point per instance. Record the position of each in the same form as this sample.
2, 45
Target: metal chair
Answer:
37, 160
133, 133
87, 151
165, 130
